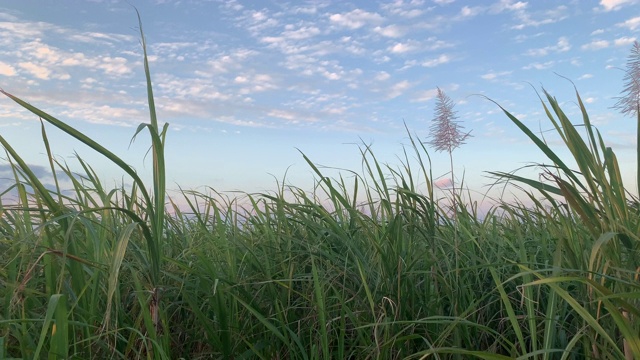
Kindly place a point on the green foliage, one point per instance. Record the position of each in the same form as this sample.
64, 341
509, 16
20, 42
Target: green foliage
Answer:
364, 266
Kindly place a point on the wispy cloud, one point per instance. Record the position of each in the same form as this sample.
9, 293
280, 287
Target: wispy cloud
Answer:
624, 41
226, 62
561, 46
596, 45
407, 9
397, 89
425, 95
631, 24
382, 76
529, 18
442, 59
508, 5
495, 75
539, 66
101, 38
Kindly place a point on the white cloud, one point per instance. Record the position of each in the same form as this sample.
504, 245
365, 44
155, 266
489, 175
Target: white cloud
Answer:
433, 43
104, 114
467, 11
301, 33
585, 76
256, 83
259, 16
330, 75
355, 19
307, 10
257, 22
595, 45
539, 66
401, 48
382, 76
531, 18
335, 110
114, 66
561, 46
6, 69
442, 59
508, 5
232, 5
624, 41
88, 83
227, 62
196, 89
494, 75
425, 95
74, 60
392, 31
409, 9
632, 23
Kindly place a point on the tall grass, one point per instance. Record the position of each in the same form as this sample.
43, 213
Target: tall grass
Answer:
65, 225
364, 266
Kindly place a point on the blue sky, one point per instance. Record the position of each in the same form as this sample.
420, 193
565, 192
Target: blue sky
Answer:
244, 84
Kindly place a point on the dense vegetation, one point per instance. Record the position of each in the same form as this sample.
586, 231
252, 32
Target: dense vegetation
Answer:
115, 273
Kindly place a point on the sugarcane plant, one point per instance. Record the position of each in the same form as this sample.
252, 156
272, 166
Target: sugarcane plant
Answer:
447, 134
149, 219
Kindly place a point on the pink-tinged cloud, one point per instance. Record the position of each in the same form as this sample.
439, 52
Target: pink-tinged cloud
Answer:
7, 70
400, 48
443, 183
38, 71
609, 5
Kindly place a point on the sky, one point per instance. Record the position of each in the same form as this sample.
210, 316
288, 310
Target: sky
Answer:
247, 87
